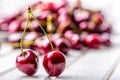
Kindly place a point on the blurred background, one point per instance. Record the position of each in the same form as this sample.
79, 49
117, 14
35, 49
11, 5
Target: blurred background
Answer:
86, 26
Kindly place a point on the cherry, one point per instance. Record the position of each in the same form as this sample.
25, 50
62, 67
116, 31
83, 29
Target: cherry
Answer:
105, 39
80, 15
83, 25
73, 38
14, 26
42, 15
43, 45
91, 26
64, 21
4, 26
22, 27
47, 6
63, 18
105, 27
75, 41
92, 41
83, 35
68, 34
14, 37
27, 62
31, 36
59, 4
63, 10
54, 63
62, 45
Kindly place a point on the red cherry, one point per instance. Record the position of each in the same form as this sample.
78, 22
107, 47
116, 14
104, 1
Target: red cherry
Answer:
62, 45
92, 41
27, 62
14, 26
68, 34
75, 41
47, 6
43, 45
54, 63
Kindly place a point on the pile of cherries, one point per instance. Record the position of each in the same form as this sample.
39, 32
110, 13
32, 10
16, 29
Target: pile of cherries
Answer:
68, 28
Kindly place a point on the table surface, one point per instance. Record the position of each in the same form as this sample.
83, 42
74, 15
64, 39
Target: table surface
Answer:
81, 65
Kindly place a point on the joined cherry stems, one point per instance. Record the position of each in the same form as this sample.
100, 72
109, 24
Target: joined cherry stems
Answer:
29, 12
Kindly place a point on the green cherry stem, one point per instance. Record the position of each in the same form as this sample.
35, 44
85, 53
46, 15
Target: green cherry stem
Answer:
42, 29
23, 33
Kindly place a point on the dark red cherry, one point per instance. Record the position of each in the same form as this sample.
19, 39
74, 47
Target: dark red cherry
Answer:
92, 41
27, 62
43, 45
62, 45
54, 63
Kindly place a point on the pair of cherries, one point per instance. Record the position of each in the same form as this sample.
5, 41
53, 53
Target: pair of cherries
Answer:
54, 62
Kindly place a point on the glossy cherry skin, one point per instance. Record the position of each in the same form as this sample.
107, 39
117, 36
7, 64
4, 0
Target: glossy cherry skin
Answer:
92, 41
54, 63
27, 63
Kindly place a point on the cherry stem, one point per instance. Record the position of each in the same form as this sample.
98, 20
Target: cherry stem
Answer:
42, 29
23, 33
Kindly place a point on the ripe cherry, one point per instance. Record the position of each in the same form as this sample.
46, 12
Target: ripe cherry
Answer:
43, 46
62, 45
27, 62
92, 41
54, 63
14, 26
